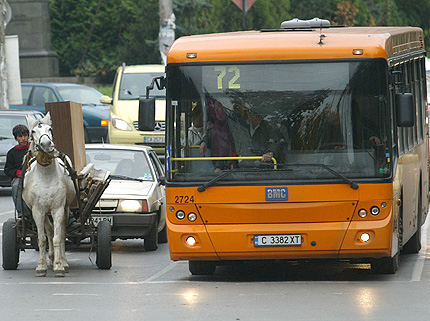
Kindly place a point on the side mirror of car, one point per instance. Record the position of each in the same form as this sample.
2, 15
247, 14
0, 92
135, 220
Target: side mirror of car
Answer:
162, 180
405, 110
146, 114
106, 100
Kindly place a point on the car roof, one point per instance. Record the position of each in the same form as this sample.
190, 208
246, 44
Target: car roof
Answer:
54, 84
144, 69
119, 147
20, 112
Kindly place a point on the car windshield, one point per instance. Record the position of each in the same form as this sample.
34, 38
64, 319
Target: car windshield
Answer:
7, 123
80, 94
330, 116
133, 85
121, 163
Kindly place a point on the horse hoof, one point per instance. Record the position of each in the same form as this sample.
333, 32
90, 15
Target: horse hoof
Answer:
60, 274
41, 272
66, 268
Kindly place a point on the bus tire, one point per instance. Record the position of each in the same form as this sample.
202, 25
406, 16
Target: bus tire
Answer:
202, 267
414, 243
386, 265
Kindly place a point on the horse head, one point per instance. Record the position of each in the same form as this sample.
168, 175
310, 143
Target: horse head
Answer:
41, 135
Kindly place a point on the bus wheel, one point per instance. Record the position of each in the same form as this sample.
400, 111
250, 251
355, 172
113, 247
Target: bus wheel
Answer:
414, 243
201, 267
386, 265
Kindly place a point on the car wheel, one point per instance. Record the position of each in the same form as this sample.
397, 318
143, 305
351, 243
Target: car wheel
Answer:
10, 248
104, 246
162, 235
151, 240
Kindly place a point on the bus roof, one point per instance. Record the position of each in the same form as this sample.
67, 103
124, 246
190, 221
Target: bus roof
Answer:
337, 43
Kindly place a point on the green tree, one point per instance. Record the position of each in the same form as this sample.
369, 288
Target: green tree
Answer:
93, 37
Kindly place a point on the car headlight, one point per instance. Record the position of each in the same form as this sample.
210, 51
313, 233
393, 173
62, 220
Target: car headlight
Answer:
3, 159
132, 206
121, 124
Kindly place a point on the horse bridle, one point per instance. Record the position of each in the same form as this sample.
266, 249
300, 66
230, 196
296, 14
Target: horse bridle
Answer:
37, 145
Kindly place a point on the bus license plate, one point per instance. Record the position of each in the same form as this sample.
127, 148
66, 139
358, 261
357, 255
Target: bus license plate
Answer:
97, 219
278, 240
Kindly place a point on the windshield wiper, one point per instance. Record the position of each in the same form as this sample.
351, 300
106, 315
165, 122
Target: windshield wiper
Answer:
353, 184
128, 178
203, 187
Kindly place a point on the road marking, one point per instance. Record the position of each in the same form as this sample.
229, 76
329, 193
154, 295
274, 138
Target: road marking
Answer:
53, 310
76, 294
162, 272
419, 264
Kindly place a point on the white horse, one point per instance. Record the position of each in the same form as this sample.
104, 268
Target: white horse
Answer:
48, 191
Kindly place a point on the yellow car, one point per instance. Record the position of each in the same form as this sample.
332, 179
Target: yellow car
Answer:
130, 84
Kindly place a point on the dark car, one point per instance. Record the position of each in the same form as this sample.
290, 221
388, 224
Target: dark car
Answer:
95, 114
8, 120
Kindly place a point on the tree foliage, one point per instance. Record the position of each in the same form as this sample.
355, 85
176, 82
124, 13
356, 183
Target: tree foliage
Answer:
93, 37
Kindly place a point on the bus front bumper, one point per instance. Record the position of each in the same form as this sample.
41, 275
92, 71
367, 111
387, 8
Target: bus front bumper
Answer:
333, 240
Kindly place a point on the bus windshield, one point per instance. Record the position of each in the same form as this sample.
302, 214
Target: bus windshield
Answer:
279, 121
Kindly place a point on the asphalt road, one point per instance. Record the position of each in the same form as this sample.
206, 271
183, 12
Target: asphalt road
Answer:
149, 286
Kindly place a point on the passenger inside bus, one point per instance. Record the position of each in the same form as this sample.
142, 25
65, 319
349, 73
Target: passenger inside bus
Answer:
219, 139
260, 138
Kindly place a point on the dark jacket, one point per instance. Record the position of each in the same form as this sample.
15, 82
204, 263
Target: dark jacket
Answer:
14, 159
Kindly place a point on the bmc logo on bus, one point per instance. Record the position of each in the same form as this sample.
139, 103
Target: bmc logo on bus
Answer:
276, 193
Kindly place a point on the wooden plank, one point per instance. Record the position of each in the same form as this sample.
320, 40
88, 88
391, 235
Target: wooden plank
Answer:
68, 130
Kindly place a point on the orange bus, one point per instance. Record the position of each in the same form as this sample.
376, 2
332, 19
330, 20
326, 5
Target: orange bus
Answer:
305, 142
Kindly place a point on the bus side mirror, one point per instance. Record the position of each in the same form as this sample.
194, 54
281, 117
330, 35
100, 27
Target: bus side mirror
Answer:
146, 119
405, 110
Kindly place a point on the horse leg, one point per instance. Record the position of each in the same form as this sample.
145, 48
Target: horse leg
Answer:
39, 219
50, 234
63, 243
59, 242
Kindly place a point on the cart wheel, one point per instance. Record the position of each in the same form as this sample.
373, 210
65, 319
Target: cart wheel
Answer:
151, 240
10, 248
104, 246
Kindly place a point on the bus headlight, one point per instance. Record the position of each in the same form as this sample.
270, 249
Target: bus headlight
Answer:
192, 217
180, 215
364, 237
374, 210
362, 213
191, 241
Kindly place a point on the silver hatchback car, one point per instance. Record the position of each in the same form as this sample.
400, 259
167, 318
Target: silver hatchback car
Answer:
135, 201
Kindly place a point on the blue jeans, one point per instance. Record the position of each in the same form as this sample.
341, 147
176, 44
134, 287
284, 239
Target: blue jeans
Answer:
17, 196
